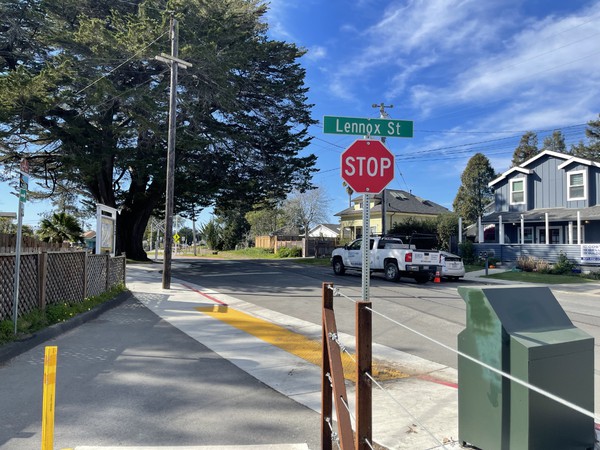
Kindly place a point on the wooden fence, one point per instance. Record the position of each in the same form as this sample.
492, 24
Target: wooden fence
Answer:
29, 244
48, 278
313, 246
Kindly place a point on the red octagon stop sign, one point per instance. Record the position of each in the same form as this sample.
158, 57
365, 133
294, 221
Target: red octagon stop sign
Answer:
367, 166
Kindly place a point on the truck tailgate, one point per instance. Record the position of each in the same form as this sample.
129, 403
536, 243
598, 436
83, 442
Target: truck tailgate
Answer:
426, 257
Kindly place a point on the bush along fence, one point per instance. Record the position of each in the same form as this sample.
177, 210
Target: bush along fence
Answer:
49, 278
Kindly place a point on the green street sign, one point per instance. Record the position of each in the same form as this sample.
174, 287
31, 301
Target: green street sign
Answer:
368, 127
23, 185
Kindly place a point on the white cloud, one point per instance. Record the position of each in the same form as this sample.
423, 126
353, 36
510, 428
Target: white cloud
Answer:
316, 53
459, 57
276, 18
416, 35
545, 65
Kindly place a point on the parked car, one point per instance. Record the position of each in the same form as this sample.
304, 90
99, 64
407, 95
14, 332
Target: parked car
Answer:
452, 266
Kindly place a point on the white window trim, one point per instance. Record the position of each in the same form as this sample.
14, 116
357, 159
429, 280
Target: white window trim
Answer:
576, 172
571, 233
539, 230
510, 194
519, 235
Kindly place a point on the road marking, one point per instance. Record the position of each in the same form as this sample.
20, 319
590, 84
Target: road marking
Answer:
297, 344
210, 297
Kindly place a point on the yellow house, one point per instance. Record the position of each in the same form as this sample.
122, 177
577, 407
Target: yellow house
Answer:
399, 205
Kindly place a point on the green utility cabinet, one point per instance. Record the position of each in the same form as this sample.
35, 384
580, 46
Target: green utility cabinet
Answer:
525, 333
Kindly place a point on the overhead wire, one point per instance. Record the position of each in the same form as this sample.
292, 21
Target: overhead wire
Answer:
135, 55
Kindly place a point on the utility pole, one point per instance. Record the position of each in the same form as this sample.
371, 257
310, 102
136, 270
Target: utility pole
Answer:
383, 115
175, 63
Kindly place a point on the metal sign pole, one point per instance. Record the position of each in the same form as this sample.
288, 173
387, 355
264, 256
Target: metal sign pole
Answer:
366, 251
23, 185
17, 265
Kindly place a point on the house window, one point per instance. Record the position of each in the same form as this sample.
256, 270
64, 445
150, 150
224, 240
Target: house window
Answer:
489, 233
517, 191
528, 235
576, 182
573, 229
555, 235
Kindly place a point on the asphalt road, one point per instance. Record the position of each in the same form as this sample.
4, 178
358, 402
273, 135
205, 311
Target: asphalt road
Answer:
130, 378
296, 290
434, 310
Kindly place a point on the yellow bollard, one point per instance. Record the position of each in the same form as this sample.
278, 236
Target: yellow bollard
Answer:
49, 398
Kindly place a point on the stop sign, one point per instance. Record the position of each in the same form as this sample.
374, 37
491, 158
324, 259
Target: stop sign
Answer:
367, 166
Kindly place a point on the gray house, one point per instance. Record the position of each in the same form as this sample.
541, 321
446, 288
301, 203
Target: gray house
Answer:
547, 205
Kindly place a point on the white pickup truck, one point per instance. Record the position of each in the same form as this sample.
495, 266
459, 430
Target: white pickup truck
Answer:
390, 256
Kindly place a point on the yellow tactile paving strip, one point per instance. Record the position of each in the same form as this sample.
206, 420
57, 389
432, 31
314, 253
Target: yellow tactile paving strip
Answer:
294, 343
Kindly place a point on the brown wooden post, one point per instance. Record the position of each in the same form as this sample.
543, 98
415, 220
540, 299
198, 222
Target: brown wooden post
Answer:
124, 269
42, 275
85, 274
340, 398
364, 402
107, 284
326, 389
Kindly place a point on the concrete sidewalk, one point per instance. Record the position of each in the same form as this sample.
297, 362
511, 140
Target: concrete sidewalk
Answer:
416, 412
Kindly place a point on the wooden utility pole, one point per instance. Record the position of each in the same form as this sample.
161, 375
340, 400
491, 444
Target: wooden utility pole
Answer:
175, 63
383, 115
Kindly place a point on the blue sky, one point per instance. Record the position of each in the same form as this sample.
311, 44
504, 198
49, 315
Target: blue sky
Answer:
473, 76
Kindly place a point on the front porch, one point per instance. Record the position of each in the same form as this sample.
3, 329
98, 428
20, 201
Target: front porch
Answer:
542, 234
582, 254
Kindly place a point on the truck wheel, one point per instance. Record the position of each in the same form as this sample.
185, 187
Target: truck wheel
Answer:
338, 266
391, 272
421, 279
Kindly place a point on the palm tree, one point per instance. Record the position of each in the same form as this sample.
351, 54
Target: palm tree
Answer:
60, 227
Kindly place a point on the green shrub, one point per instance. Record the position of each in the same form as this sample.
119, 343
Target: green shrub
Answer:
563, 266
467, 251
592, 275
32, 321
492, 261
289, 252
255, 252
7, 330
59, 312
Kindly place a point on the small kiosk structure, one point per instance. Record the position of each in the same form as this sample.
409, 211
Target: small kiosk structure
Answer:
106, 230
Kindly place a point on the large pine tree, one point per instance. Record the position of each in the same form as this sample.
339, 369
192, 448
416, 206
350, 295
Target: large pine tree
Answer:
592, 149
82, 97
474, 194
527, 148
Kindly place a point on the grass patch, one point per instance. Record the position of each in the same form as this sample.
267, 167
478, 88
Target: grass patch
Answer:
321, 262
536, 277
473, 267
39, 319
245, 253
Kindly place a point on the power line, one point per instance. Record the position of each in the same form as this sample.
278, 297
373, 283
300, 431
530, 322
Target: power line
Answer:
135, 55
